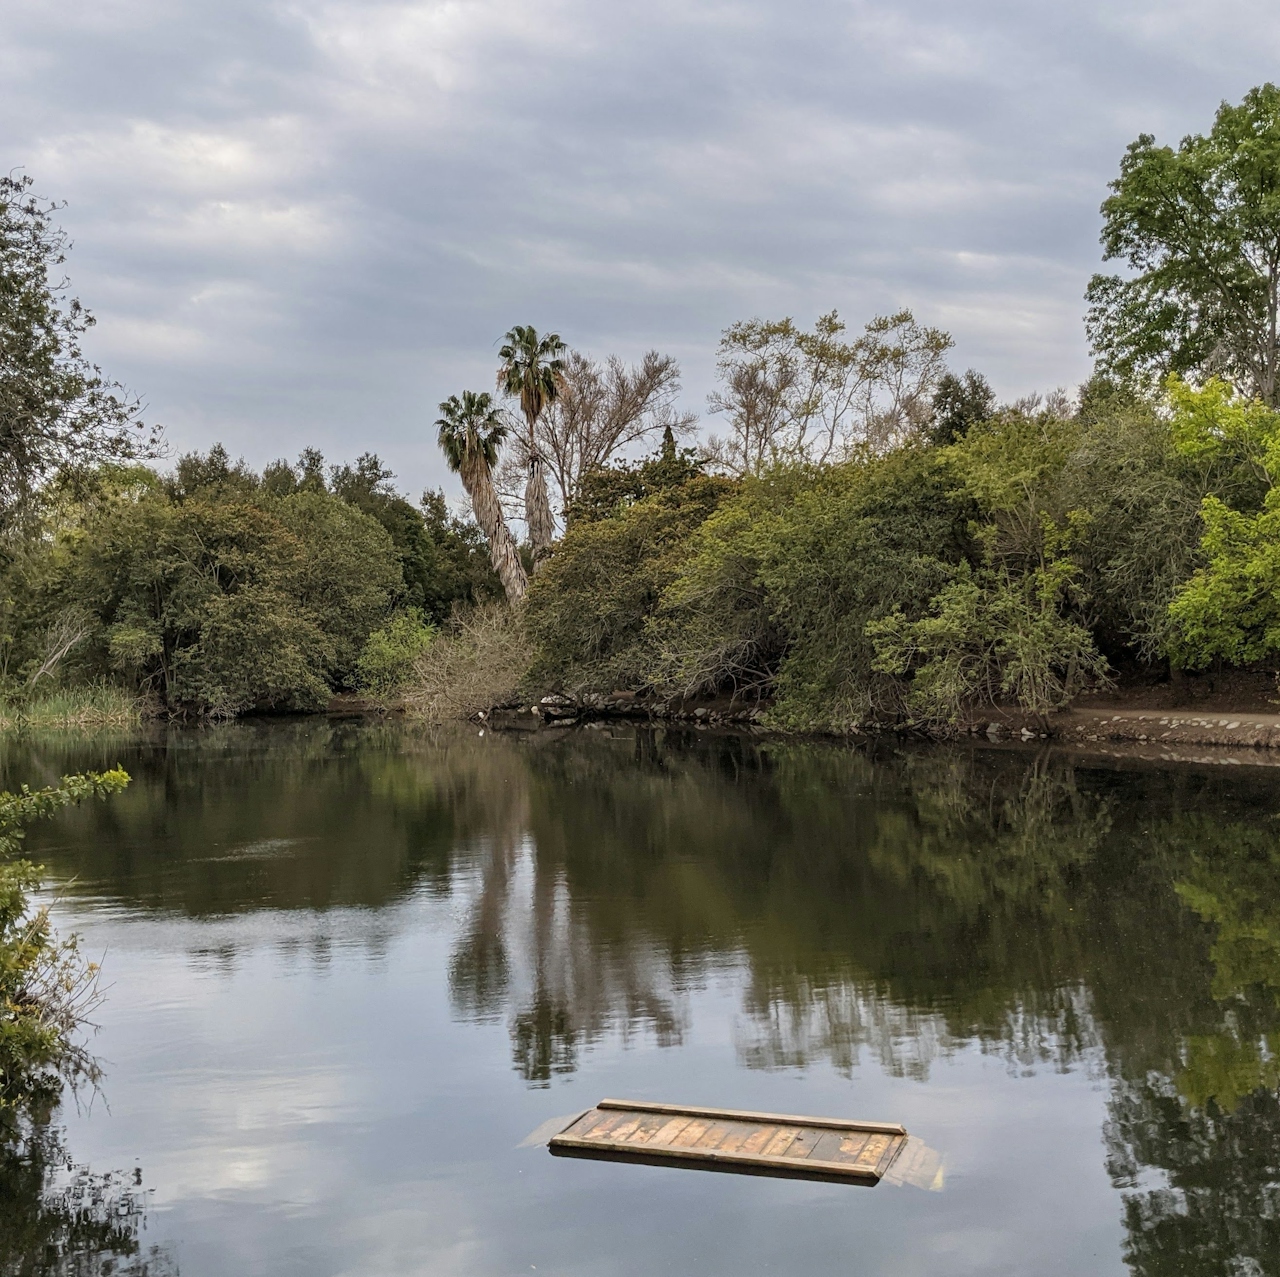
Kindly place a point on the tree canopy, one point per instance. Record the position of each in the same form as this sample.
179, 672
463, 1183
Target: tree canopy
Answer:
1199, 227
56, 408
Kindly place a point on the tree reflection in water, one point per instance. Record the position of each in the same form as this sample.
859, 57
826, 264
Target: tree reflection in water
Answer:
885, 902
61, 1220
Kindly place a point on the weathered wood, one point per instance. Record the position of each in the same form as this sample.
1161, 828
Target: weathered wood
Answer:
723, 1139
744, 1115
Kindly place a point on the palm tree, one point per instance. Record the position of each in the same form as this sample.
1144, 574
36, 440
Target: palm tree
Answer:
471, 431
531, 371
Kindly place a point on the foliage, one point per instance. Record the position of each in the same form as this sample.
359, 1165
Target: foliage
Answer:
46, 989
1230, 607
391, 653
784, 578
480, 662
443, 559
1200, 227
958, 403
56, 408
603, 491
792, 396
588, 610
211, 591
991, 635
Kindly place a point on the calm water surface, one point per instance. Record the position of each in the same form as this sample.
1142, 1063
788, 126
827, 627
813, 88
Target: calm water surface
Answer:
353, 966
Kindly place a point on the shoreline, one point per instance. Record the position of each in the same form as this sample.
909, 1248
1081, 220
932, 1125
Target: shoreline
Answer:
1184, 734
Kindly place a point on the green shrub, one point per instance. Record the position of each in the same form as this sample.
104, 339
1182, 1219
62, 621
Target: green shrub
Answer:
1230, 608
46, 988
589, 606
990, 635
389, 655
783, 579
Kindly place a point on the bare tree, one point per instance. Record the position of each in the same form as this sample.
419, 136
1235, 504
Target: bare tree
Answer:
792, 395
602, 409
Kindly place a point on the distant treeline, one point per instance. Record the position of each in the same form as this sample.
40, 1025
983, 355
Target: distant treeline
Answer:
214, 589
873, 537
862, 536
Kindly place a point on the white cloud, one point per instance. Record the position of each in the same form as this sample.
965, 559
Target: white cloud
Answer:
353, 200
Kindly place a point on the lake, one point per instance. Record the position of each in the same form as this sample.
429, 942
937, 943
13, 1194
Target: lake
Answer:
353, 965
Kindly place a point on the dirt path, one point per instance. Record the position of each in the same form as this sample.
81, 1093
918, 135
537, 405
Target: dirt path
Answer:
1169, 727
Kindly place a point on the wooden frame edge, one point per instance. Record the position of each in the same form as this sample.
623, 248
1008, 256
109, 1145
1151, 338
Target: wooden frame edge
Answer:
740, 1115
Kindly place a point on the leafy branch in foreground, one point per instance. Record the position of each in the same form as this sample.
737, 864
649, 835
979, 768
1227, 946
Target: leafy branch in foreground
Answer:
47, 990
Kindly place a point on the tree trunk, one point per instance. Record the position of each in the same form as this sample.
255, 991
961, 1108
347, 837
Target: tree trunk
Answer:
502, 547
537, 509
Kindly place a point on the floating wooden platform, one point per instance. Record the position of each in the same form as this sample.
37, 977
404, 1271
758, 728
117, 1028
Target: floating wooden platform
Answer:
826, 1148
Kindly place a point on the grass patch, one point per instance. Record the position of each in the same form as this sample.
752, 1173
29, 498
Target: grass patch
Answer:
81, 708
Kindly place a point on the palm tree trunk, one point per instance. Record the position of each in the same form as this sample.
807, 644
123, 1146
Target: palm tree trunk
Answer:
537, 509
502, 547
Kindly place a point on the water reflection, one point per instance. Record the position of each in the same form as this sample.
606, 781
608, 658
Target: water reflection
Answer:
886, 905
63, 1220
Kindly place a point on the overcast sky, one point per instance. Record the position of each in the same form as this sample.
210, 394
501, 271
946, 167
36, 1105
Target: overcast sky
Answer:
305, 223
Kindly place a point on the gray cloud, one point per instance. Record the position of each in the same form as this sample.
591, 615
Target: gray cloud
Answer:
308, 222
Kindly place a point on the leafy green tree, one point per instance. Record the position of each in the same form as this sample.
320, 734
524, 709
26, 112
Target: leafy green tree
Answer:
56, 408
531, 371
218, 596
387, 661
445, 560
471, 432
781, 581
591, 604
46, 989
1230, 607
1200, 229
603, 491
958, 403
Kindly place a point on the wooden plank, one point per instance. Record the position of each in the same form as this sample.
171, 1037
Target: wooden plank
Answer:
714, 1136
669, 1130
828, 1147
804, 1144
690, 1135
790, 1119
722, 1139
757, 1139
851, 1147
738, 1132
781, 1141
649, 1127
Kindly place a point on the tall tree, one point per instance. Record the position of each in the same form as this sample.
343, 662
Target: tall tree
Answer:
958, 403
1200, 227
602, 409
792, 395
531, 371
471, 432
56, 408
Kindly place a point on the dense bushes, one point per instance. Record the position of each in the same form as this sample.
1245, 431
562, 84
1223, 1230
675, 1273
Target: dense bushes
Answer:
589, 608
220, 591
1013, 565
46, 989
